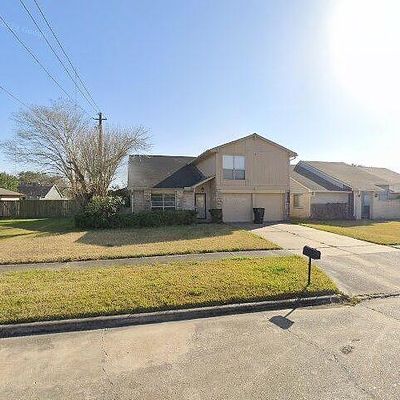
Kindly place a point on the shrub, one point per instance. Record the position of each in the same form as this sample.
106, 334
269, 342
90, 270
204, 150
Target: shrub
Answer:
102, 213
123, 193
159, 218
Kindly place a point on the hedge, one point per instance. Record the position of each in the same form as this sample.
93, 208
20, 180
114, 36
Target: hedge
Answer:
137, 220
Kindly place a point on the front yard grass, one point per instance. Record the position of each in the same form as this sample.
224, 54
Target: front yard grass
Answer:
46, 240
37, 295
380, 232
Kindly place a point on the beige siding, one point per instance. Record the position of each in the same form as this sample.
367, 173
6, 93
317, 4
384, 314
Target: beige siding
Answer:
303, 210
207, 166
237, 207
296, 187
385, 209
267, 166
53, 194
329, 197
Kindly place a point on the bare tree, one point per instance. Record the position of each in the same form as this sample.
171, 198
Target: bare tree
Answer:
60, 139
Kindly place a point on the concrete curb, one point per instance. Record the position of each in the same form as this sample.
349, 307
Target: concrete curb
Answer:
113, 321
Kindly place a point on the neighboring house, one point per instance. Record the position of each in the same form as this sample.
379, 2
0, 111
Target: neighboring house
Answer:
235, 177
391, 177
311, 196
35, 191
9, 195
359, 192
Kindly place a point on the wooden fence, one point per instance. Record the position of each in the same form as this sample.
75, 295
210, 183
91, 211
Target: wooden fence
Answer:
38, 208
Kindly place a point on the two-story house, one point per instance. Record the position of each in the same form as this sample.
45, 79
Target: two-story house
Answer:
235, 177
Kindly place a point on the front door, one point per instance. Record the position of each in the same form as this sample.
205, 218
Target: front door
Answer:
366, 205
200, 204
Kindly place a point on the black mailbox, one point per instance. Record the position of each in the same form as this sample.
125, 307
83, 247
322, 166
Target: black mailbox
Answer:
312, 253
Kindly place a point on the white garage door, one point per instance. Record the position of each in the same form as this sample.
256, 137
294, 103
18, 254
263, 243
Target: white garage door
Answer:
237, 207
273, 204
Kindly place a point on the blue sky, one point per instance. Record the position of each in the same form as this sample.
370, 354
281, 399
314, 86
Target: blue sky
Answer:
199, 73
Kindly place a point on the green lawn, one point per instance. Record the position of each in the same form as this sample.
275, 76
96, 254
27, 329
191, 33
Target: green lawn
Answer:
44, 240
36, 295
380, 232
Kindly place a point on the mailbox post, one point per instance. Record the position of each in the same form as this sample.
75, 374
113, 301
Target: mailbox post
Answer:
312, 254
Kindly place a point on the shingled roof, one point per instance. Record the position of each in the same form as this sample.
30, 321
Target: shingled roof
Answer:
351, 175
311, 181
6, 192
34, 190
146, 171
391, 177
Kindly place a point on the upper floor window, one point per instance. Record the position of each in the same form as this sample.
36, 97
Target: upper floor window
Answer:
233, 167
163, 202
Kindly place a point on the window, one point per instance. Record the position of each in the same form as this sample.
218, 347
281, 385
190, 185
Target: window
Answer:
383, 196
233, 167
163, 202
296, 200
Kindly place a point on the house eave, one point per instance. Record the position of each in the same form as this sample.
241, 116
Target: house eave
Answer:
202, 182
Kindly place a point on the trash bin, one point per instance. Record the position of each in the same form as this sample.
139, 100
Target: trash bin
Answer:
258, 215
216, 215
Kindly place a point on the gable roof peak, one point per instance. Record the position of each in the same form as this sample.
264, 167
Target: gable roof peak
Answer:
255, 135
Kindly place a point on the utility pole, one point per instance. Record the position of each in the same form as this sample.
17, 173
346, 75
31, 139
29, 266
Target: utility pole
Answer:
100, 118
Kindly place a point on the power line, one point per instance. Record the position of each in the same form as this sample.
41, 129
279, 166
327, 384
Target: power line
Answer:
13, 96
55, 53
33, 56
65, 53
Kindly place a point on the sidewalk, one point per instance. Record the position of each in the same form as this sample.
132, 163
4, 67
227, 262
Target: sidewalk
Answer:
144, 260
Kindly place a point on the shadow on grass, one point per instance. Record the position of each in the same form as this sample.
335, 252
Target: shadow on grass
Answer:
35, 227
111, 237
138, 236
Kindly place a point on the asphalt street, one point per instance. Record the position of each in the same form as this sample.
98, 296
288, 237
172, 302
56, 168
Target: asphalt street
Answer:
346, 352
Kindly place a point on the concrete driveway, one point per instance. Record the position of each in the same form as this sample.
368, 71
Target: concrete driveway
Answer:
334, 353
357, 266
